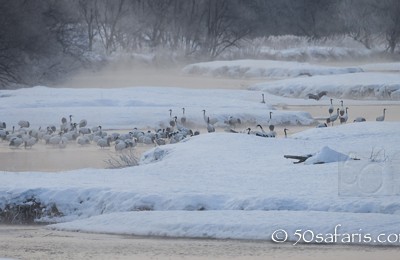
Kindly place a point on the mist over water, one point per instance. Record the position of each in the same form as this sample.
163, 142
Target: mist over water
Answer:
130, 74
55, 40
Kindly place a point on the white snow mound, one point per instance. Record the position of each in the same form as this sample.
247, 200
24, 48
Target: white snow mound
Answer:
326, 155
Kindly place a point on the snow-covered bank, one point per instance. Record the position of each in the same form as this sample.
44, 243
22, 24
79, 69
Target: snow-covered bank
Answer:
317, 53
148, 107
389, 66
240, 224
298, 48
141, 107
365, 85
263, 69
220, 172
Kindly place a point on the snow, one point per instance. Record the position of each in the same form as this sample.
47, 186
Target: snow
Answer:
220, 185
315, 53
339, 82
289, 47
233, 224
326, 155
263, 69
388, 66
141, 107
367, 85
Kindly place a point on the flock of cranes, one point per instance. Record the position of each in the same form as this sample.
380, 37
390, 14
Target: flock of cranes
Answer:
70, 131
79, 132
342, 114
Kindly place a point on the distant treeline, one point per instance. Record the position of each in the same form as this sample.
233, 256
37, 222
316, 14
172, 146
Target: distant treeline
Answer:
41, 39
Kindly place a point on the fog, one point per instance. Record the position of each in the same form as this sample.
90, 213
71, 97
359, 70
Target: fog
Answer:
68, 36
130, 74
113, 44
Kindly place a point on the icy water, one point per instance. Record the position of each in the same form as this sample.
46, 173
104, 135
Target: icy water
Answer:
45, 158
36, 242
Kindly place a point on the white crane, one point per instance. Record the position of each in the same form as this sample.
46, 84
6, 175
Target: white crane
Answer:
341, 112
183, 118
104, 142
209, 120
233, 121
317, 96
285, 131
359, 119
333, 118
210, 127
265, 134
159, 141
171, 119
16, 141
29, 142
83, 123
83, 140
271, 126
331, 108
55, 139
343, 118
23, 124
381, 118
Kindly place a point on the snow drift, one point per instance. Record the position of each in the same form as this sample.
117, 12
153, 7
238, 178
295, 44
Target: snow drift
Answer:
326, 155
367, 85
211, 173
263, 69
141, 107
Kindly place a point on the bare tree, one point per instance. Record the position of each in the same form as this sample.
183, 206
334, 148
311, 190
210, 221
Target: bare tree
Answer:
159, 10
87, 11
185, 25
313, 18
222, 28
24, 36
361, 20
370, 19
53, 35
108, 13
391, 16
